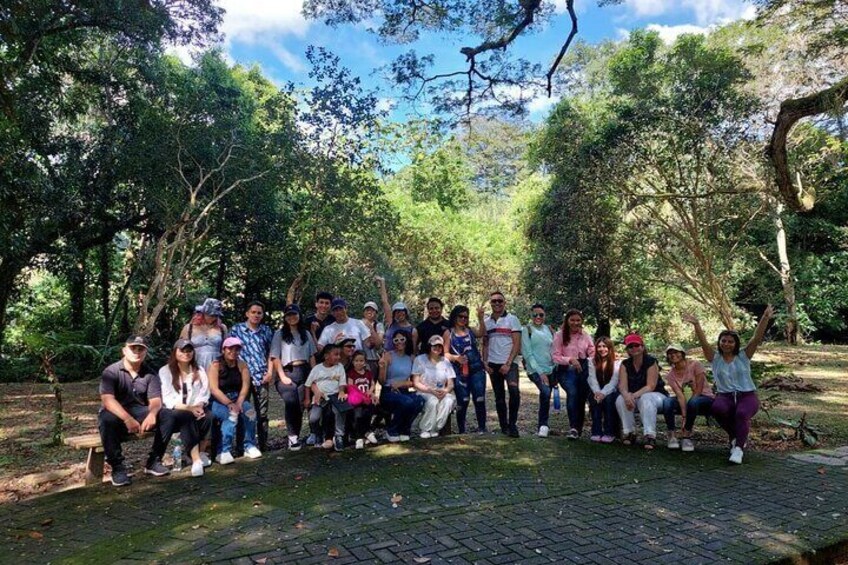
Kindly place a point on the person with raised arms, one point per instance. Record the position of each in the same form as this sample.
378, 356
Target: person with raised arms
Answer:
736, 402
502, 346
396, 318
373, 346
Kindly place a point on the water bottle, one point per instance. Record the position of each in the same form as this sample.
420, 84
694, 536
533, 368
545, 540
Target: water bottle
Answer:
557, 401
178, 455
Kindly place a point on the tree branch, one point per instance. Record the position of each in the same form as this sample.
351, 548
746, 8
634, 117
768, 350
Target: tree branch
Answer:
571, 14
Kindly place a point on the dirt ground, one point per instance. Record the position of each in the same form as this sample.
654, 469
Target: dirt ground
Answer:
30, 465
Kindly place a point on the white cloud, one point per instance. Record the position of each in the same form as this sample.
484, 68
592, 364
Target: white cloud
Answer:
542, 104
706, 12
285, 56
247, 20
670, 33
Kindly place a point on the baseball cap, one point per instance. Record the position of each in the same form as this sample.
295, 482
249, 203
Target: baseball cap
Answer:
136, 340
370, 304
232, 341
181, 343
338, 303
633, 338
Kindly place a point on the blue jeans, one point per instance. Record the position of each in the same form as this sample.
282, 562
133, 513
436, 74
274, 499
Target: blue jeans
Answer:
604, 415
695, 406
404, 407
544, 396
228, 427
465, 388
577, 390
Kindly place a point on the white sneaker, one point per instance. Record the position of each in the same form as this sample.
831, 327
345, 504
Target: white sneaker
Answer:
225, 458
393, 439
252, 452
736, 455
732, 445
404, 438
544, 431
204, 458
426, 435
673, 443
360, 444
687, 445
371, 438
197, 469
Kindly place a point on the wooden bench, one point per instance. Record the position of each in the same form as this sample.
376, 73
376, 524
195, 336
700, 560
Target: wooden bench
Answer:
95, 460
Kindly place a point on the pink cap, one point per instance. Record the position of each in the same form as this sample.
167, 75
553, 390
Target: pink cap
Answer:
232, 342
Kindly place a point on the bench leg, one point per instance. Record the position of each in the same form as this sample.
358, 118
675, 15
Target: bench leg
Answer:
94, 466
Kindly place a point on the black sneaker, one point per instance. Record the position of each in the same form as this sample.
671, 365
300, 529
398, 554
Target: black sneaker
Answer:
294, 444
120, 478
338, 443
513, 432
156, 469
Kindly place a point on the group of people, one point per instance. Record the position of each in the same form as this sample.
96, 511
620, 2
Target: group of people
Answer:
350, 376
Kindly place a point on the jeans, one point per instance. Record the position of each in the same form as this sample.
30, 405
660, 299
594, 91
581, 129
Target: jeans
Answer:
511, 381
113, 431
228, 427
321, 414
192, 431
577, 390
695, 406
404, 407
604, 414
293, 395
544, 396
466, 388
734, 412
648, 405
436, 412
261, 397
362, 420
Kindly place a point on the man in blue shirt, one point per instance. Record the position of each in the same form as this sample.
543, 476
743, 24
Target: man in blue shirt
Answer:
256, 339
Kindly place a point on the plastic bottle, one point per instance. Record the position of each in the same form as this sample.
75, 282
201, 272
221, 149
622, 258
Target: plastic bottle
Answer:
178, 455
557, 401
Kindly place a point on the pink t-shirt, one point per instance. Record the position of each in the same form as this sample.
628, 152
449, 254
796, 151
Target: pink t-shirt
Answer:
580, 346
692, 374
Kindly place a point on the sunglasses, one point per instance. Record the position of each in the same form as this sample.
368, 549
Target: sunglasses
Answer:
634, 345
496, 301
350, 346
187, 350
463, 316
537, 315
399, 340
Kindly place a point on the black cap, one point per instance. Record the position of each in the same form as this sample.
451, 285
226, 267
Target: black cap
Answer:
136, 340
292, 309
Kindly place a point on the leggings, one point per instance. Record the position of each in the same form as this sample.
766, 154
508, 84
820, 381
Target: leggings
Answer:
292, 395
734, 412
505, 420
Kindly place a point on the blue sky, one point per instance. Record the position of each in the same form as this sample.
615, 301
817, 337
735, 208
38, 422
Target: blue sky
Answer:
274, 35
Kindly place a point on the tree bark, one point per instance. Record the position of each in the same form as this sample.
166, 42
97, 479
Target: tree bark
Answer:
104, 280
76, 287
791, 329
9, 271
604, 328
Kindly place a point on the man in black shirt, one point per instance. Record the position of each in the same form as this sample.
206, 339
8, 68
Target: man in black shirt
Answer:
435, 324
321, 318
132, 397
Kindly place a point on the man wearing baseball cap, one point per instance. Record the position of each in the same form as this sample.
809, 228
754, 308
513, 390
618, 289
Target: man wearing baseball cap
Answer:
132, 397
343, 327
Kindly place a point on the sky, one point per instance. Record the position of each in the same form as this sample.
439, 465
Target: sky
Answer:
274, 35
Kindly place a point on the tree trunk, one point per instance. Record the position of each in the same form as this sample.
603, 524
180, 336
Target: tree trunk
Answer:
791, 330
220, 277
604, 328
9, 271
104, 280
76, 287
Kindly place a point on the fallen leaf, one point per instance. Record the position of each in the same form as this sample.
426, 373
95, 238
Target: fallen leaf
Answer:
36, 535
822, 471
300, 525
396, 498
257, 503
47, 522
334, 552
298, 477
421, 559
261, 560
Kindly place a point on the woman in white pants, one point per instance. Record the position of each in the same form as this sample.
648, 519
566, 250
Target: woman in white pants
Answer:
433, 377
641, 388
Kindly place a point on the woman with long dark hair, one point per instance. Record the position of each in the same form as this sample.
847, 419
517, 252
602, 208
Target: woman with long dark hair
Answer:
572, 349
603, 382
185, 394
293, 352
396, 380
462, 349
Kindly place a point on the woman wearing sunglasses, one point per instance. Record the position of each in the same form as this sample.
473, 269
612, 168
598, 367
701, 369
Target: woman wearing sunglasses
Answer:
396, 380
434, 378
462, 349
536, 342
736, 402
641, 388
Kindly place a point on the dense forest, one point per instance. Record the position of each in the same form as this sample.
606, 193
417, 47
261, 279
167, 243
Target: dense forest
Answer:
134, 185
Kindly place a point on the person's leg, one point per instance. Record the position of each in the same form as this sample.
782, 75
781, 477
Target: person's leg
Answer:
569, 379
649, 404
315, 419
747, 404
514, 396
582, 394
696, 406
723, 410
478, 396
544, 398
392, 400
596, 410
610, 427
628, 417
113, 431
428, 418
339, 428
261, 399
228, 427
498, 387
415, 405
443, 411
248, 416
292, 402
462, 397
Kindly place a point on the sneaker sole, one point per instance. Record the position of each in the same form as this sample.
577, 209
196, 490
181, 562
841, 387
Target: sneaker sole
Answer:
126, 484
156, 473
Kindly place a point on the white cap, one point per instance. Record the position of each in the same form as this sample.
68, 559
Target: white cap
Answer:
370, 304
399, 306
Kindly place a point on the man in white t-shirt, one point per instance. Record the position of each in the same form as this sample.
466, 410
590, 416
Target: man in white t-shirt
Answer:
343, 327
502, 345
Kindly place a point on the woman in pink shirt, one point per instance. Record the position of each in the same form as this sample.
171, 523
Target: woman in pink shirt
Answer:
685, 372
571, 351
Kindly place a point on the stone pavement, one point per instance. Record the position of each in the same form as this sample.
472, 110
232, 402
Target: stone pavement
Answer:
473, 499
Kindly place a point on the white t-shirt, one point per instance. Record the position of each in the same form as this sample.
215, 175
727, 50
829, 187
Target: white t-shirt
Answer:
328, 379
197, 391
434, 375
500, 333
352, 328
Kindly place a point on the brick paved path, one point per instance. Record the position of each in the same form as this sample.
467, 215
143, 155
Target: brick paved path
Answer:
464, 500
